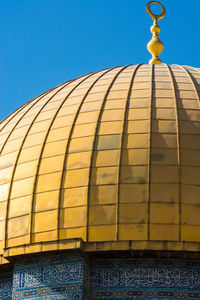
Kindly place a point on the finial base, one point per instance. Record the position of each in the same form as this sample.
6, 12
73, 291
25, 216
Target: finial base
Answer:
155, 61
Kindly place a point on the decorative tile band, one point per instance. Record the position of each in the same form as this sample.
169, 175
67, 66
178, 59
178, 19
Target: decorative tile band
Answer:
71, 291
145, 278
75, 277
145, 294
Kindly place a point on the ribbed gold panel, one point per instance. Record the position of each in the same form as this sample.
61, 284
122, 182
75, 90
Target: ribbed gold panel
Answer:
110, 156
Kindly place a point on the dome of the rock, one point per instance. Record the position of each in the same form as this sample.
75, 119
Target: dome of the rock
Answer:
110, 157
106, 161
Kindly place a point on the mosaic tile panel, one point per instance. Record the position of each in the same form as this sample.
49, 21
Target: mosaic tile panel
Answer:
145, 279
74, 276
6, 280
51, 277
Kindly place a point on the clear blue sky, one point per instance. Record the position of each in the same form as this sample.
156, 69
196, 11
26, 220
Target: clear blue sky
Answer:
47, 42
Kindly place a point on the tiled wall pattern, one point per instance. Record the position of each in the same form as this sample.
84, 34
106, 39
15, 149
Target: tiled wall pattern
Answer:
6, 283
75, 277
110, 156
145, 279
51, 277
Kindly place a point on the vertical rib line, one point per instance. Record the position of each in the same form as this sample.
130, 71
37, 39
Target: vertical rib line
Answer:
19, 122
125, 118
18, 155
15, 112
12, 115
190, 76
43, 146
41, 96
94, 143
67, 148
178, 144
149, 151
15, 165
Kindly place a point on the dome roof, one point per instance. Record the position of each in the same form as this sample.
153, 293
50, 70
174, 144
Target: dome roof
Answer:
110, 160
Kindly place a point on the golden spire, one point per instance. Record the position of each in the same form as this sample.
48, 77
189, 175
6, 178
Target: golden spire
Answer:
155, 46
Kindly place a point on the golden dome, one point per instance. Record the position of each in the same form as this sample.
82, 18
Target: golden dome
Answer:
110, 160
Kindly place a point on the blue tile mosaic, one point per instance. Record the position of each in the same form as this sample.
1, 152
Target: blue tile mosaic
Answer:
75, 277
51, 277
6, 280
145, 279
